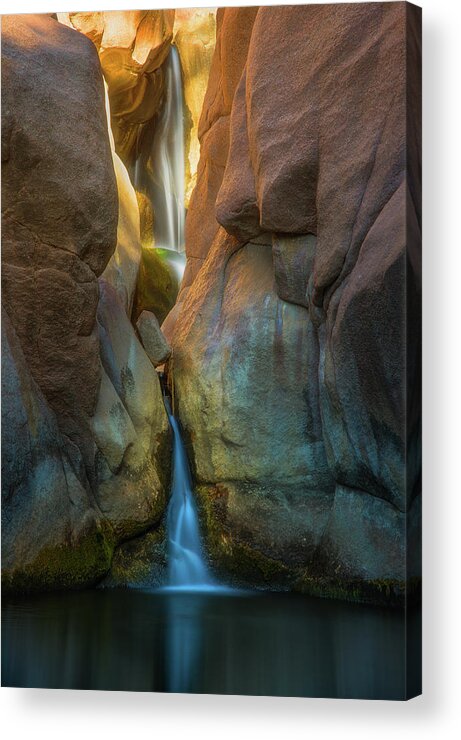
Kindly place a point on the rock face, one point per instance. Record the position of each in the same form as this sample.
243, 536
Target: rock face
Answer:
194, 35
51, 533
296, 380
233, 31
132, 47
84, 435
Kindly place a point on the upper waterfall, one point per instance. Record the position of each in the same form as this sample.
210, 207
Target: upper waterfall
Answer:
164, 180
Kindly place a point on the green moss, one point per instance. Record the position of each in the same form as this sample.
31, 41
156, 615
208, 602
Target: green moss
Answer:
140, 562
158, 284
385, 592
231, 557
247, 565
74, 566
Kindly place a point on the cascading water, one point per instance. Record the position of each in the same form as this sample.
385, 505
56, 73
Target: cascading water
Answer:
186, 564
162, 177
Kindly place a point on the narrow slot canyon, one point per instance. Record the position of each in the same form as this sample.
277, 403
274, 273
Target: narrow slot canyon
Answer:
210, 392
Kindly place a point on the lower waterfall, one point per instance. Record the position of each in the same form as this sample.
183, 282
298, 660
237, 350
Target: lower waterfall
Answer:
187, 567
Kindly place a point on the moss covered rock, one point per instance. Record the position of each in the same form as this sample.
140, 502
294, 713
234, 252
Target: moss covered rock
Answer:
140, 562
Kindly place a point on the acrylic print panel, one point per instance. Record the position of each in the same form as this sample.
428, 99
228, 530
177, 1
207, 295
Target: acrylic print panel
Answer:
211, 350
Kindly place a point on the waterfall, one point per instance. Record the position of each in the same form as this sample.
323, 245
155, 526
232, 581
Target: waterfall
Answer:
187, 567
162, 177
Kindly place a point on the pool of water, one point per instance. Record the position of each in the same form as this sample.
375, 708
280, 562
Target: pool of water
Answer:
225, 643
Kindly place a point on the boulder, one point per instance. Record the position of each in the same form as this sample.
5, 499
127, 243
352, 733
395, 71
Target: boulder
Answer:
52, 536
296, 381
140, 562
85, 436
153, 341
59, 211
130, 426
158, 281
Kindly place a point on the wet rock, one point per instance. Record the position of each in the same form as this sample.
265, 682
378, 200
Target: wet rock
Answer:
296, 381
194, 35
153, 341
52, 537
130, 426
140, 562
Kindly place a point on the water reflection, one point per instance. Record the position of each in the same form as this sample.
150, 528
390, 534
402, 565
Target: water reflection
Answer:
264, 644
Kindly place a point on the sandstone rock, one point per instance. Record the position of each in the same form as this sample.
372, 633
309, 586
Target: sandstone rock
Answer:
132, 47
158, 282
194, 35
123, 267
85, 443
233, 31
153, 341
323, 162
293, 266
261, 421
51, 535
130, 426
60, 233
236, 205
313, 425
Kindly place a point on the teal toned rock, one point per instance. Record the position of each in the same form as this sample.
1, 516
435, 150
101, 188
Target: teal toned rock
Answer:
152, 339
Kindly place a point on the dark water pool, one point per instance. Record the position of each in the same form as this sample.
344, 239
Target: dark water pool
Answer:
257, 644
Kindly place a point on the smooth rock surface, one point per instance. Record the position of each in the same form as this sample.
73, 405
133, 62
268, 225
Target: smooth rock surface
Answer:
153, 341
85, 437
233, 31
296, 380
52, 536
123, 267
59, 211
132, 47
130, 426
194, 35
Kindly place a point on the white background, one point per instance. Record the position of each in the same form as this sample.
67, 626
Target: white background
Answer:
86, 715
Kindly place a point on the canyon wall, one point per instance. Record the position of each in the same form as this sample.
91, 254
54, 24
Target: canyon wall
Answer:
85, 437
296, 338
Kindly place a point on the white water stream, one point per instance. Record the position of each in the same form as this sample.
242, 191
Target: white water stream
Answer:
186, 564
163, 180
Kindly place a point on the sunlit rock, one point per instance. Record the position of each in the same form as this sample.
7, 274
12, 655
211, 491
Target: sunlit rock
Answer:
233, 32
158, 283
132, 47
123, 267
194, 34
